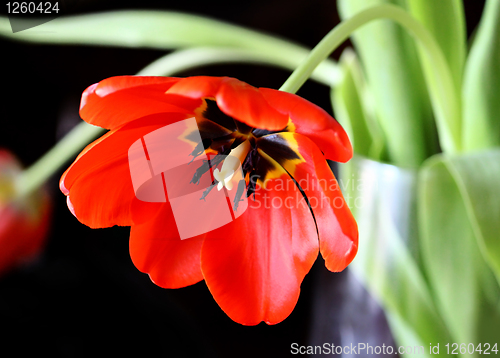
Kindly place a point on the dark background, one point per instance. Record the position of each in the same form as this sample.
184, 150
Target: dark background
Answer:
83, 296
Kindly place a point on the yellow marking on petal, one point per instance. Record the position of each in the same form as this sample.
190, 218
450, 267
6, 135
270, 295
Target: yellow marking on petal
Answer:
195, 126
293, 145
200, 118
191, 127
277, 172
290, 127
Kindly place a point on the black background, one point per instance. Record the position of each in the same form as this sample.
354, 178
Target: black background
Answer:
83, 296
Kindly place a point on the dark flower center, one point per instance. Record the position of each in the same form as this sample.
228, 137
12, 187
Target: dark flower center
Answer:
221, 135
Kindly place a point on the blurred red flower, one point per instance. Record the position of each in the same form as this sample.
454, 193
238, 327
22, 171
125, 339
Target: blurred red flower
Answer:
254, 265
24, 222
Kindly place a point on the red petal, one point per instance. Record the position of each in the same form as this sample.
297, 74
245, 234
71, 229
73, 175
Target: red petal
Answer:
99, 183
12, 237
24, 222
338, 232
245, 103
235, 98
116, 101
313, 122
156, 249
23, 231
254, 266
197, 87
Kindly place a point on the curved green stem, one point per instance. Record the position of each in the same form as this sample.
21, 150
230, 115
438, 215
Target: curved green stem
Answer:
34, 176
444, 97
160, 30
181, 60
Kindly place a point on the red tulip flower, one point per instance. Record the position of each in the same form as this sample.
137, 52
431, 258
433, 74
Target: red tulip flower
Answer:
24, 222
254, 265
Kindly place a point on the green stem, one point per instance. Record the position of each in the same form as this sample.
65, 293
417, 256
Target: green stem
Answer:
34, 176
160, 30
181, 60
446, 102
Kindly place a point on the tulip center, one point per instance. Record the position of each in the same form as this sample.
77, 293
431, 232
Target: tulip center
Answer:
236, 145
231, 164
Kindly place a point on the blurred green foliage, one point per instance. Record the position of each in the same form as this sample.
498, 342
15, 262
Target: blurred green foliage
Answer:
450, 238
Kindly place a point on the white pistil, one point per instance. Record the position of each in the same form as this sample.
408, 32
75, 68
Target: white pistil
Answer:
224, 179
230, 165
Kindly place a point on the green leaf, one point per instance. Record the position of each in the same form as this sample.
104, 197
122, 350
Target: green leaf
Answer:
446, 22
383, 200
166, 30
481, 90
394, 75
459, 204
477, 177
351, 106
